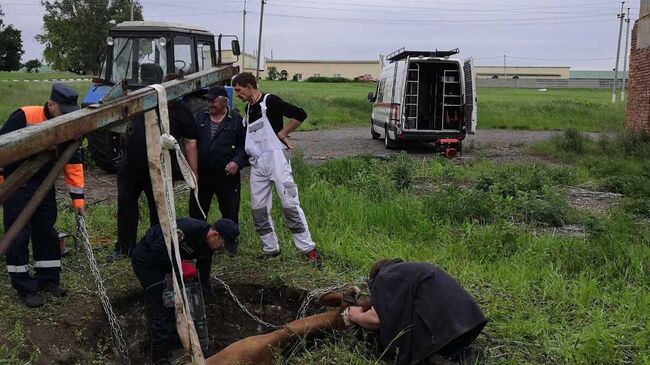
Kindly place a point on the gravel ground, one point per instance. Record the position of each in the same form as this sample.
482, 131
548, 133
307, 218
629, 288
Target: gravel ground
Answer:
501, 146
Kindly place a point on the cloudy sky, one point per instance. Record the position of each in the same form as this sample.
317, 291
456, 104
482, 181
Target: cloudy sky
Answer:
581, 34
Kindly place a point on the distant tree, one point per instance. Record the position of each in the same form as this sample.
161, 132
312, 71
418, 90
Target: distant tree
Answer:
272, 73
32, 64
11, 46
75, 31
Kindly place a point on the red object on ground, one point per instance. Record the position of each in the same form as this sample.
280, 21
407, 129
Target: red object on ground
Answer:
189, 271
450, 153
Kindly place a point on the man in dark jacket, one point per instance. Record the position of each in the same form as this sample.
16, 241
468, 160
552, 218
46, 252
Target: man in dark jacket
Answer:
133, 173
419, 311
197, 240
221, 155
45, 242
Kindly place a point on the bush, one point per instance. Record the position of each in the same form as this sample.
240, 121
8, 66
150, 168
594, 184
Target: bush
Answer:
402, 172
327, 79
572, 141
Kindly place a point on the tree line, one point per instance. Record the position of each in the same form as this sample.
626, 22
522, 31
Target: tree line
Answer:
74, 34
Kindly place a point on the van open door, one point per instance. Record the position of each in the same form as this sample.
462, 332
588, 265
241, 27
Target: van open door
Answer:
471, 108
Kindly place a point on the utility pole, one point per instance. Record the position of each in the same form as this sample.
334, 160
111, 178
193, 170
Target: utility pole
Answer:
259, 42
243, 42
621, 16
132, 6
505, 69
627, 38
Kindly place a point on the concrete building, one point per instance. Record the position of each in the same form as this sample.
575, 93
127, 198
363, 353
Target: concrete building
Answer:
303, 69
522, 72
638, 102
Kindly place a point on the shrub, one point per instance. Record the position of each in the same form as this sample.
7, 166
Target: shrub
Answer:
572, 141
327, 79
402, 172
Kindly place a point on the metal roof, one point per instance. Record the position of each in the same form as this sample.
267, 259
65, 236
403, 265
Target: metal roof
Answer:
594, 74
160, 26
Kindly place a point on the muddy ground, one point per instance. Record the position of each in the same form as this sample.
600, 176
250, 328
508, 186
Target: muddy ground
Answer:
67, 338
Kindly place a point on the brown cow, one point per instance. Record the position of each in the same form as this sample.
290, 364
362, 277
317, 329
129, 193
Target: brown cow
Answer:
258, 350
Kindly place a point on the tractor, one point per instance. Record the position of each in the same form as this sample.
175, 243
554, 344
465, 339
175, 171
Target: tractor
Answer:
140, 53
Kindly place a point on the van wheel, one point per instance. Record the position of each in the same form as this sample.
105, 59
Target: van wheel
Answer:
388, 143
373, 134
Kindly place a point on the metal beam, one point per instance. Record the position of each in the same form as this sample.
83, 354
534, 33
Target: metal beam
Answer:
20, 176
27, 212
31, 140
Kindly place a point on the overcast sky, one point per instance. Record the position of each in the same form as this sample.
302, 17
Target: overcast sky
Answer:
581, 34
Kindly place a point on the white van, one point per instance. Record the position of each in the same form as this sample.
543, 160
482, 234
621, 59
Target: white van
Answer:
424, 96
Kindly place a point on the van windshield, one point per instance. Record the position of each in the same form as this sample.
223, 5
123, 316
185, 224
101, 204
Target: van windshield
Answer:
140, 61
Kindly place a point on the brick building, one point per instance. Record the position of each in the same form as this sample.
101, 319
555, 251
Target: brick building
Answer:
638, 103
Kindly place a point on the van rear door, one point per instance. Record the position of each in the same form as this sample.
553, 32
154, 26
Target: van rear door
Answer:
471, 108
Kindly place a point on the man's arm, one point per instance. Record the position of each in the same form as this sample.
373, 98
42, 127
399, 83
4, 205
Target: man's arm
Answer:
16, 121
295, 115
192, 155
368, 319
74, 180
240, 158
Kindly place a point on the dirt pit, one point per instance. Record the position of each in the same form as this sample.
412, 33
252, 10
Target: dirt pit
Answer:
227, 322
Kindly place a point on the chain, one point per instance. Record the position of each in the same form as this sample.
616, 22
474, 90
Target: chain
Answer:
82, 233
314, 295
243, 308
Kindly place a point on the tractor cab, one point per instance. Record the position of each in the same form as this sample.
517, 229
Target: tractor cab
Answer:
142, 52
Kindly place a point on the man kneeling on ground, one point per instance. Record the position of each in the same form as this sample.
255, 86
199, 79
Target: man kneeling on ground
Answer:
421, 313
197, 240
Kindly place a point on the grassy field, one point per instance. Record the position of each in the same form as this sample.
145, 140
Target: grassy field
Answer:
335, 105
39, 75
17, 94
550, 298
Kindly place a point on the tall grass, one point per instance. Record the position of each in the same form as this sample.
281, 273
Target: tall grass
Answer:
549, 299
18, 94
331, 105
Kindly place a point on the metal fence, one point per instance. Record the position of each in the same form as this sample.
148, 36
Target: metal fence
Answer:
549, 83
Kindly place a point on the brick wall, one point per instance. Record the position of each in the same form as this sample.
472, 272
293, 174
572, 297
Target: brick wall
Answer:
638, 103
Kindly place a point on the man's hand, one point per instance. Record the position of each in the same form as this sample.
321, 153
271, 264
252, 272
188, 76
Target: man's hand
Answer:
80, 211
284, 138
232, 168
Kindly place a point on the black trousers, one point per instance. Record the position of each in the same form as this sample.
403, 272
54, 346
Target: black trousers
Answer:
162, 319
131, 182
226, 188
45, 241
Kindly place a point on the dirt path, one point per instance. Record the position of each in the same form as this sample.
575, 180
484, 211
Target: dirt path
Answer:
502, 146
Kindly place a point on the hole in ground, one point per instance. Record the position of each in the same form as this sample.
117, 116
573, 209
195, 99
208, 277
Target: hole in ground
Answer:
227, 322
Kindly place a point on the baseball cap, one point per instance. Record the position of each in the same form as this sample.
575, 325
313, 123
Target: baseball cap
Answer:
215, 91
229, 230
65, 96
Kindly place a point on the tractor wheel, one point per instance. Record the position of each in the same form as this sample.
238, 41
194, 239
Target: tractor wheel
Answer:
195, 103
105, 149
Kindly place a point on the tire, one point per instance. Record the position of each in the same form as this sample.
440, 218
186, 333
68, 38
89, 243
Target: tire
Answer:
388, 143
195, 103
105, 149
373, 134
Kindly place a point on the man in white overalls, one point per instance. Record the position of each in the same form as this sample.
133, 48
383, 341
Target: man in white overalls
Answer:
266, 142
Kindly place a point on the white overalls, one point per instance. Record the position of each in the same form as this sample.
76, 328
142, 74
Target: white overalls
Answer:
269, 166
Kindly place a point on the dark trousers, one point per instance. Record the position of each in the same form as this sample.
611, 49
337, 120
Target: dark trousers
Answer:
131, 182
226, 188
162, 319
45, 241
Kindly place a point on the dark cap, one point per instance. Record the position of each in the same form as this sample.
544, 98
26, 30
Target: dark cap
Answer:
215, 91
65, 96
229, 230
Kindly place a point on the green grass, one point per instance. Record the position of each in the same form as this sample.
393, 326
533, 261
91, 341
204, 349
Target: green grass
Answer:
549, 298
39, 75
332, 105
18, 94
588, 110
